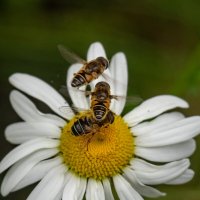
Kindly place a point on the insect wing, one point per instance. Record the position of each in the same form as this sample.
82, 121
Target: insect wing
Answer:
64, 91
78, 110
113, 81
72, 109
85, 92
70, 56
129, 99
66, 110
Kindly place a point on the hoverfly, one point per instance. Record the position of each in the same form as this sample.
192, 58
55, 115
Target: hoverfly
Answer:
101, 100
99, 112
85, 124
89, 71
88, 125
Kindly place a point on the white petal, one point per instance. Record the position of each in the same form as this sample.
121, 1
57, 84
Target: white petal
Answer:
75, 188
23, 131
167, 153
95, 50
78, 98
38, 172
94, 190
124, 189
176, 132
50, 185
82, 188
157, 124
184, 178
119, 74
60, 193
26, 149
28, 111
152, 175
21, 168
153, 107
107, 190
71, 188
40, 90
144, 190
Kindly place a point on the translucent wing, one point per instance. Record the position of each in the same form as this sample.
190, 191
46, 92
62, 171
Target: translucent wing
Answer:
129, 99
64, 91
70, 56
112, 80
72, 109
78, 109
66, 110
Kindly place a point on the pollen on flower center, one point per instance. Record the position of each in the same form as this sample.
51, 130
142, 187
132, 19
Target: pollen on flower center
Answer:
99, 154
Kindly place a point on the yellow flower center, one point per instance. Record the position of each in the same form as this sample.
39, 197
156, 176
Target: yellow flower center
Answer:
99, 154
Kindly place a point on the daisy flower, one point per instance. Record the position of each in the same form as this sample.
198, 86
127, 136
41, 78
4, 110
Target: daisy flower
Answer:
146, 147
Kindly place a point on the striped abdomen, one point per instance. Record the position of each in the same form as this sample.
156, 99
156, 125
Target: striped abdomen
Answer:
78, 80
82, 126
109, 119
100, 111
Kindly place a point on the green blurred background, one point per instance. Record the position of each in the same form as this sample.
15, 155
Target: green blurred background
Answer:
160, 38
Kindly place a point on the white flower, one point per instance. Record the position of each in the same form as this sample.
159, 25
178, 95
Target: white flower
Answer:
68, 170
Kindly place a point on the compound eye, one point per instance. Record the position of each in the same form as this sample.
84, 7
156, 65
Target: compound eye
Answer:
103, 61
